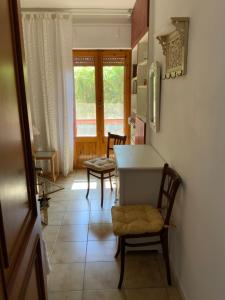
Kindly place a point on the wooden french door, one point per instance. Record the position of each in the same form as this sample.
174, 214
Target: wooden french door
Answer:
21, 269
102, 99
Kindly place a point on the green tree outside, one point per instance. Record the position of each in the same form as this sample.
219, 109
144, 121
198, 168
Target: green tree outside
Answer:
85, 98
113, 77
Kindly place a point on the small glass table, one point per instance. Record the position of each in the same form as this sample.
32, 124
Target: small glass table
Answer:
46, 187
52, 157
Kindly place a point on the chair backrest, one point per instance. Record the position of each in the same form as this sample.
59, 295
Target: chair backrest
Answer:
168, 189
114, 139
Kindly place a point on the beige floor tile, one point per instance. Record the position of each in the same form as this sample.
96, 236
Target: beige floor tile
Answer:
81, 196
148, 271
146, 294
57, 206
80, 174
73, 233
101, 275
62, 180
66, 184
68, 193
50, 233
66, 277
173, 294
78, 205
71, 196
105, 295
96, 204
65, 181
69, 252
75, 295
76, 218
55, 218
101, 232
101, 216
129, 294
49, 248
64, 191
101, 250
65, 196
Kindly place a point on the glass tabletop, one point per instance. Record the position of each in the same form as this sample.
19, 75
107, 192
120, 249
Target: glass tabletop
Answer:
46, 154
47, 187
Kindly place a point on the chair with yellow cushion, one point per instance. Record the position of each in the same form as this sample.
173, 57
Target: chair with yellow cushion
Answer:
138, 221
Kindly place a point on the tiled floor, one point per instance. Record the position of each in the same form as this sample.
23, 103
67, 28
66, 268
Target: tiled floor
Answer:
81, 248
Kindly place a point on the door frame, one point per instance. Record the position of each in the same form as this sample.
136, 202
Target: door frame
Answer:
100, 138
19, 250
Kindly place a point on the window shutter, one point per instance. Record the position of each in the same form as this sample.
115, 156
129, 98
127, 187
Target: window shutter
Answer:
81, 61
113, 61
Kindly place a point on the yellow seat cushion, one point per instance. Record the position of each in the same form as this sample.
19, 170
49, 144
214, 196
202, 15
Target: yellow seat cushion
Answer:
136, 219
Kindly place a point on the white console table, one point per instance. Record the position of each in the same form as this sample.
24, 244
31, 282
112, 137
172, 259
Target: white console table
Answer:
140, 170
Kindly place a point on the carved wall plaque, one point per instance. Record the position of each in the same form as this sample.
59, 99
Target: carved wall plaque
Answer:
175, 48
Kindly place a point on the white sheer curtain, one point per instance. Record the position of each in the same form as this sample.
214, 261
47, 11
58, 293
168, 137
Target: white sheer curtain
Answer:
48, 51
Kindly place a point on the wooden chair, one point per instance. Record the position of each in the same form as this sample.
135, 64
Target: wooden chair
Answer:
104, 167
138, 221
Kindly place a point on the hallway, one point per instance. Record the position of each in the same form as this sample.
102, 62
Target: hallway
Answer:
81, 248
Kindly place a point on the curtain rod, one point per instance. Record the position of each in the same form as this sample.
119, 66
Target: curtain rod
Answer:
83, 12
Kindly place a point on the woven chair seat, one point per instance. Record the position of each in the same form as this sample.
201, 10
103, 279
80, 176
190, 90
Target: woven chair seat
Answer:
136, 219
100, 164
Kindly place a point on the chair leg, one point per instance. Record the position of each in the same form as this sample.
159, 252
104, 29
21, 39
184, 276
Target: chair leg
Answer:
122, 263
110, 179
118, 247
102, 189
88, 180
116, 191
165, 248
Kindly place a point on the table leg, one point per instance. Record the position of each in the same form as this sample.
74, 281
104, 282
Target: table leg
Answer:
53, 169
57, 163
45, 215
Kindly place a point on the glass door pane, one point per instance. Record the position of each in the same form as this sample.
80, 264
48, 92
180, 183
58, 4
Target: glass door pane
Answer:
113, 87
85, 99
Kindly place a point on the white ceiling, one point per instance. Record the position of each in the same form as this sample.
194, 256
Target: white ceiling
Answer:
107, 4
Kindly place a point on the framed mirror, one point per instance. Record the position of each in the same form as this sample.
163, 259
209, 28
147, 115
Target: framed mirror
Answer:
154, 95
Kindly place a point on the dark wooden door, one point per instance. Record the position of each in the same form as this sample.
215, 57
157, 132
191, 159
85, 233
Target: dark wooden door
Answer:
21, 268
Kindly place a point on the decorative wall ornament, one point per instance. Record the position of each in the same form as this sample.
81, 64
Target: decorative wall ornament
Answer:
175, 48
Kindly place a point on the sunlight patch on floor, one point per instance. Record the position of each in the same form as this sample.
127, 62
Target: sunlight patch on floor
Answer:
82, 185
107, 184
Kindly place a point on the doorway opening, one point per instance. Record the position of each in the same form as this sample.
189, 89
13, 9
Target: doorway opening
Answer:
102, 99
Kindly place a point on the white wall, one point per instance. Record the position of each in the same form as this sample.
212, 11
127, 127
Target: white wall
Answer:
101, 36
192, 139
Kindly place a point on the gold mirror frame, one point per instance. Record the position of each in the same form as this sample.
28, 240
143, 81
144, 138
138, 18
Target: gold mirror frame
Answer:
175, 48
154, 95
